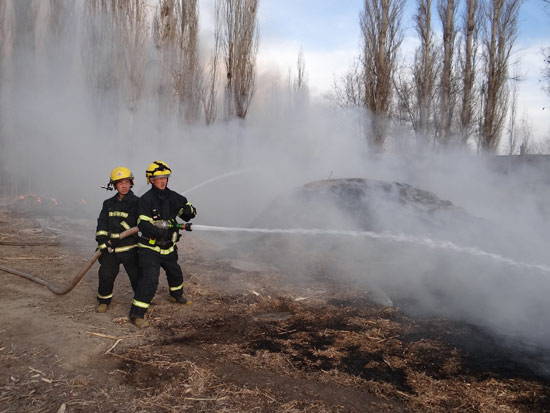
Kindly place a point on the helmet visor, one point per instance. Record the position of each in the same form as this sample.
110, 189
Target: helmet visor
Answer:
152, 178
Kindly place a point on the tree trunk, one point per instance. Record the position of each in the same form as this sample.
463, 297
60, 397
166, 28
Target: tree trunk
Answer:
471, 26
499, 37
381, 38
447, 10
239, 40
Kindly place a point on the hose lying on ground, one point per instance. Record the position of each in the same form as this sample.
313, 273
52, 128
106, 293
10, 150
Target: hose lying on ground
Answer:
64, 290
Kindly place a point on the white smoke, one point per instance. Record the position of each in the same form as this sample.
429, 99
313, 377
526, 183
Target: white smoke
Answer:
59, 142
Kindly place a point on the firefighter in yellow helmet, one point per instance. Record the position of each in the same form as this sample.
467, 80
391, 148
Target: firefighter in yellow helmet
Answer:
118, 214
157, 212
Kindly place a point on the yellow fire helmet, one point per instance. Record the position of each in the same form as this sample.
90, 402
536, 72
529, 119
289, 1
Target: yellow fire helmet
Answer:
157, 169
121, 172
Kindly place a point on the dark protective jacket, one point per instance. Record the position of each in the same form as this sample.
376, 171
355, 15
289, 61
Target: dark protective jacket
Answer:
115, 217
156, 206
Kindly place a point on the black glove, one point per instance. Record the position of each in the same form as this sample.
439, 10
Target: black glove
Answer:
194, 211
101, 239
188, 227
172, 223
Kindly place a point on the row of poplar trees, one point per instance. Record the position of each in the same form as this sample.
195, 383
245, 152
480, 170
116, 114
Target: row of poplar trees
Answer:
454, 90
123, 41
184, 83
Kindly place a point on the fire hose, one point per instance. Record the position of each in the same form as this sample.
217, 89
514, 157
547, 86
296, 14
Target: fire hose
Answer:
64, 290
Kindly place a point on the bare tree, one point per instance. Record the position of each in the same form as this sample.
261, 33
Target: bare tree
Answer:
541, 146
98, 47
165, 38
349, 90
60, 12
519, 136
210, 81
49, 20
176, 28
39, 13
7, 42
546, 70
447, 11
300, 82
297, 88
512, 117
113, 48
525, 134
239, 40
7, 34
499, 34
468, 61
424, 71
131, 31
381, 37
405, 110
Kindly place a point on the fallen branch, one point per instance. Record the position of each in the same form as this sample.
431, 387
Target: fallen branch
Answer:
36, 371
205, 399
130, 359
103, 335
113, 346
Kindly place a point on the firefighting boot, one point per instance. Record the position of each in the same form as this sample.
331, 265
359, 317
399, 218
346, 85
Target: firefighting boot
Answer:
139, 322
101, 308
180, 300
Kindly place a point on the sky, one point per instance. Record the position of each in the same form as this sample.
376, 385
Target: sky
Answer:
328, 33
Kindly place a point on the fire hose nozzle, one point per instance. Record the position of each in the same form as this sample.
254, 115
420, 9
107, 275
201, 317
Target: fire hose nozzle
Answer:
172, 224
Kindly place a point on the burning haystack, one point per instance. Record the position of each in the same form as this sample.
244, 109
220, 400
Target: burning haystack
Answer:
362, 227
410, 249
356, 216
367, 205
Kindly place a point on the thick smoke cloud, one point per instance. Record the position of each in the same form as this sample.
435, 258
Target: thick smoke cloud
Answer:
60, 142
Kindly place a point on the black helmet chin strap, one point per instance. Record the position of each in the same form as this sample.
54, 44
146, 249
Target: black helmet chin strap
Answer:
111, 185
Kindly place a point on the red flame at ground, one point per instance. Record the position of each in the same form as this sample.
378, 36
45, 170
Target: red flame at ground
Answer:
33, 196
48, 201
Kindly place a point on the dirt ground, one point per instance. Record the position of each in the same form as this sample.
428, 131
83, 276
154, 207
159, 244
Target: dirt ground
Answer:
253, 340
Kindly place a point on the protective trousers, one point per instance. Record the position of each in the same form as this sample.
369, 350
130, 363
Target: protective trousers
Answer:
151, 262
108, 271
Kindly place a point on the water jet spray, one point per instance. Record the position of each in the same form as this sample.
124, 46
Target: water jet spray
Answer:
216, 178
401, 238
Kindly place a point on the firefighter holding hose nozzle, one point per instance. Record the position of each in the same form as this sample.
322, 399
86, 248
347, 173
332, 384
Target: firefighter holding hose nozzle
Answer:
118, 214
158, 209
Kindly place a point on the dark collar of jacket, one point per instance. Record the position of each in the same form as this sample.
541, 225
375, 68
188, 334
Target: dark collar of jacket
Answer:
164, 194
129, 197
